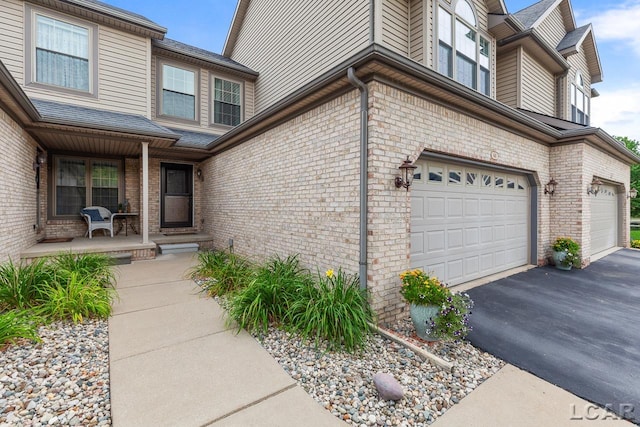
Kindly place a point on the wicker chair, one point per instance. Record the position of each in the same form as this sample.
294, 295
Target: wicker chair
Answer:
97, 218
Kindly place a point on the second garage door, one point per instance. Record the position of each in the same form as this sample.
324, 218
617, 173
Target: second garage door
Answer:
468, 222
604, 219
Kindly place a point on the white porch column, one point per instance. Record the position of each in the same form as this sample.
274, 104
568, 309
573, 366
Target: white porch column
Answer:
145, 192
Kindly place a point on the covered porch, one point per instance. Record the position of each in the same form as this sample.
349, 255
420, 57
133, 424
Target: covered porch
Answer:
101, 158
130, 246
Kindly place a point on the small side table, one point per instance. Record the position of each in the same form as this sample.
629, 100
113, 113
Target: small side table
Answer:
120, 216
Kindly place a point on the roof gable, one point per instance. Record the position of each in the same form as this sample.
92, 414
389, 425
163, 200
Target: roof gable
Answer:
534, 15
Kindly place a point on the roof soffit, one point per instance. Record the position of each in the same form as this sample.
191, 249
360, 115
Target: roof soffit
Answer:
106, 15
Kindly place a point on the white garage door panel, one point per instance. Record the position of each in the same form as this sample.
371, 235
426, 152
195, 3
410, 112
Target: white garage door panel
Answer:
604, 219
477, 221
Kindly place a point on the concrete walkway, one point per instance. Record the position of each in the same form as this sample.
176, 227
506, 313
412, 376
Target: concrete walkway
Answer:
174, 363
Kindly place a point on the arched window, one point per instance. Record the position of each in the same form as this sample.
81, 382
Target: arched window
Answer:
579, 101
463, 54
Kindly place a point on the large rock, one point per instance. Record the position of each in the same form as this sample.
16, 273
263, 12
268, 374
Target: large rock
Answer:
388, 387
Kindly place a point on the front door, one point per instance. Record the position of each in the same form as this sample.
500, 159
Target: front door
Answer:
176, 197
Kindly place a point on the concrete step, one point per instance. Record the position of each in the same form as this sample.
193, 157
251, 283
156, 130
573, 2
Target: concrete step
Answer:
121, 258
177, 248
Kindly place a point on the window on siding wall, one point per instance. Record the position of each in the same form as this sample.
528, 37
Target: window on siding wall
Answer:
85, 182
178, 92
62, 54
472, 51
227, 102
579, 101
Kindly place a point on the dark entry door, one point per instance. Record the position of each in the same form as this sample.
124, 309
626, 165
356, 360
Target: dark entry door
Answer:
176, 197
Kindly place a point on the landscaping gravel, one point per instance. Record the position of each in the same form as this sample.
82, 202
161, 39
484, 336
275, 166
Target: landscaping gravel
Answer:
343, 383
62, 381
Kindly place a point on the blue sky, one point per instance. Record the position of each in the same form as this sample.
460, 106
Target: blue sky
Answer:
204, 23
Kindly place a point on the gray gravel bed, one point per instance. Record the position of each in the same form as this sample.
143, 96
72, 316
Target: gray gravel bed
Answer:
62, 381
343, 383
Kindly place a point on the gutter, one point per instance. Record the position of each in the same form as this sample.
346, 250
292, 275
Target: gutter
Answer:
364, 143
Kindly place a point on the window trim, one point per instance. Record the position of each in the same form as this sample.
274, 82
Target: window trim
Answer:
576, 87
480, 35
160, 62
31, 13
212, 90
52, 176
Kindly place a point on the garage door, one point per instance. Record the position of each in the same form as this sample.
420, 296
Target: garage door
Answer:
604, 219
468, 222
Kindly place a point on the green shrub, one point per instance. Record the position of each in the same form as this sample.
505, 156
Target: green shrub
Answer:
76, 297
269, 294
635, 244
335, 310
96, 266
17, 324
21, 285
224, 272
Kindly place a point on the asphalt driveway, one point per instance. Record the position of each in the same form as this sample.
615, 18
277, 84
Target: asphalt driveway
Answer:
579, 330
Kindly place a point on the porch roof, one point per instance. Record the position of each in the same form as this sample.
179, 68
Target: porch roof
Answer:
190, 139
73, 128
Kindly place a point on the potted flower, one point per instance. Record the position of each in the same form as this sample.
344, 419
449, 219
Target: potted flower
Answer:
436, 312
566, 253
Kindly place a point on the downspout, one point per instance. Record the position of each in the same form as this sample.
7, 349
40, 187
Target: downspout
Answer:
364, 142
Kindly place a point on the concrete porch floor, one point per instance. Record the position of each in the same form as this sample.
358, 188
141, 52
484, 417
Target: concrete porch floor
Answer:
115, 244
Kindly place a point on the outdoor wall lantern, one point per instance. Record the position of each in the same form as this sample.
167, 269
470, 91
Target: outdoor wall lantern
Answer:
406, 174
199, 174
633, 193
594, 188
40, 160
550, 187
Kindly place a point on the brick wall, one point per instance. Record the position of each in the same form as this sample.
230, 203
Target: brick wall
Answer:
18, 189
292, 190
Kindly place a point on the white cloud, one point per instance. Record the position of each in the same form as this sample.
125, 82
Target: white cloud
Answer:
618, 24
618, 112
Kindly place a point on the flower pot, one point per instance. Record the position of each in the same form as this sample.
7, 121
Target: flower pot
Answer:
421, 316
558, 260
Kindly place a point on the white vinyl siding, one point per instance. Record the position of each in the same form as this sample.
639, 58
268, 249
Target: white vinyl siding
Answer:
538, 87
468, 222
507, 79
303, 40
395, 25
552, 28
121, 72
416, 31
12, 24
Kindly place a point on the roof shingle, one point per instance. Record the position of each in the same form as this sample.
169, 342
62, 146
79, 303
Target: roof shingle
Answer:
74, 115
529, 15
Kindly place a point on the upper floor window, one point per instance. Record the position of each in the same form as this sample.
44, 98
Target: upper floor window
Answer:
463, 54
579, 101
227, 102
178, 92
62, 54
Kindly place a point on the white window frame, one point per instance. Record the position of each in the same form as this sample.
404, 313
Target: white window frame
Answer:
160, 63
31, 37
88, 161
578, 95
480, 69
212, 83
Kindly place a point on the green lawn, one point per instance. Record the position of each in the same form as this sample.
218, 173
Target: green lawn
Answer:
635, 234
